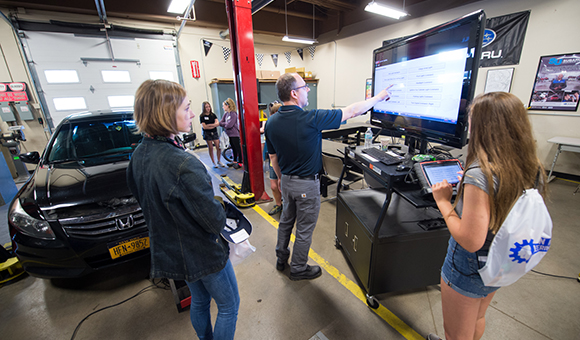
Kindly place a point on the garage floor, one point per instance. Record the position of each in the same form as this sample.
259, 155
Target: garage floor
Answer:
273, 307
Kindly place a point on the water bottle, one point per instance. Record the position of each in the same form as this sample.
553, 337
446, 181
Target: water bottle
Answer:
368, 138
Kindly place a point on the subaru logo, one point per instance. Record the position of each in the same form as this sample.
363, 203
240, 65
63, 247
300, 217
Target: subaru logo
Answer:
124, 223
488, 37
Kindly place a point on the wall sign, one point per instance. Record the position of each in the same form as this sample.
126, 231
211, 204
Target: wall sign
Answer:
557, 85
13, 92
195, 69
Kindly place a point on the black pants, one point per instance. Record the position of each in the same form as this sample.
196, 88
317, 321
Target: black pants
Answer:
236, 149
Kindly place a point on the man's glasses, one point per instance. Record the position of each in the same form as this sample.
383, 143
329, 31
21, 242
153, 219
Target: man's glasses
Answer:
301, 87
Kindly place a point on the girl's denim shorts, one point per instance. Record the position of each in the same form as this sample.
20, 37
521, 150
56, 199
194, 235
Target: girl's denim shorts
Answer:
460, 271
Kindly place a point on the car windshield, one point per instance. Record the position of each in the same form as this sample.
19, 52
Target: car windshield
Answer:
94, 142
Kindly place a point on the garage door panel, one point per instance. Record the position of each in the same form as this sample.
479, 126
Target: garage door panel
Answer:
63, 51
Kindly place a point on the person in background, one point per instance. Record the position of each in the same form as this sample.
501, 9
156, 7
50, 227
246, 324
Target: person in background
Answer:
209, 124
230, 123
273, 107
294, 141
184, 220
501, 163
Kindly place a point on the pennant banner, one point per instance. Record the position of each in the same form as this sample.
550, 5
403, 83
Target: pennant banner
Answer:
503, 39
227, 52
288, 56
275, 59
312, 49
260, 58
300, 53
207, 46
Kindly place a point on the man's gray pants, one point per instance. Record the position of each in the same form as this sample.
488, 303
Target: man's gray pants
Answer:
301, 198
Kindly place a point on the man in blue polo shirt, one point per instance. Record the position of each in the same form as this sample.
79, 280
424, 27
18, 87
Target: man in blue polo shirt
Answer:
294, 140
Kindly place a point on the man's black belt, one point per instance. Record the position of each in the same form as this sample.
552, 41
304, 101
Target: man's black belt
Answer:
311, 177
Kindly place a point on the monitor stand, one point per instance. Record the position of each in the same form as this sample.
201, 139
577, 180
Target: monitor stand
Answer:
416, 145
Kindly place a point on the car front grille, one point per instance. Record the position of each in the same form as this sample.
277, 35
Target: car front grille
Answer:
99, 227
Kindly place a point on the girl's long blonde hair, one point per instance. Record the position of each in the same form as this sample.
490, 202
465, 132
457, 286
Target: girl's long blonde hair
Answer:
502, 143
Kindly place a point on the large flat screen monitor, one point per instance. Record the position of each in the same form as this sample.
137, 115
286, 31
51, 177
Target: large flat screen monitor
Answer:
433, 74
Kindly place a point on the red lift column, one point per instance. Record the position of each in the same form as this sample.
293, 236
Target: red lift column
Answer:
239, 14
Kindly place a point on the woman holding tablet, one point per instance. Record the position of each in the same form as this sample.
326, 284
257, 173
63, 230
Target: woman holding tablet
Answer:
501, 163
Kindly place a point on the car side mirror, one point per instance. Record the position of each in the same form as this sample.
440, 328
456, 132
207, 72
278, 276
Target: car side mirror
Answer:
30, 157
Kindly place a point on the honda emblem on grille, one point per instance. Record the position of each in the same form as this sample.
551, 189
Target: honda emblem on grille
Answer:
124, 223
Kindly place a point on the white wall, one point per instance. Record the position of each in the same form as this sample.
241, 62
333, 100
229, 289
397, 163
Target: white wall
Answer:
343, 66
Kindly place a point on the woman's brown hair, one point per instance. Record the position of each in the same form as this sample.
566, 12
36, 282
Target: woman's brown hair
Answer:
203, 108
501, 143
156, 104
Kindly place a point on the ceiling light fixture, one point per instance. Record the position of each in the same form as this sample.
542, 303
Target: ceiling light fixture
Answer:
298, 40
178, 6
386, 11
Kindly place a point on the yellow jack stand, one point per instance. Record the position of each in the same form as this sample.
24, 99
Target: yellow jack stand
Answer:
233, 192
10, 269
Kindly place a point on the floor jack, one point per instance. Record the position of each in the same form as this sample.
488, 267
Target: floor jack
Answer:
10, 268
233, 192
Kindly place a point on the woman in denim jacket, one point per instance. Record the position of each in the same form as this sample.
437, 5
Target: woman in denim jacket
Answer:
184, 220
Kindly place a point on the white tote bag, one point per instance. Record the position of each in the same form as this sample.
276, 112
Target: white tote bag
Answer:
521, 242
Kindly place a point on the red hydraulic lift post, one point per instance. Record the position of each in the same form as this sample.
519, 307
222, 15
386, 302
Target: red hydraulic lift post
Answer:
239, 14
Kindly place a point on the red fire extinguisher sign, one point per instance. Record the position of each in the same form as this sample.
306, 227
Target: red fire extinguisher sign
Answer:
195, 69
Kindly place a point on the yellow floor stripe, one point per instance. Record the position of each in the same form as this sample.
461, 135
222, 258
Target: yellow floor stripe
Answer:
390, 318
354, 288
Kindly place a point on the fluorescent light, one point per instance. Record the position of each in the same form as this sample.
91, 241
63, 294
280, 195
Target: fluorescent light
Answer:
178, 6
384, 10
299, 40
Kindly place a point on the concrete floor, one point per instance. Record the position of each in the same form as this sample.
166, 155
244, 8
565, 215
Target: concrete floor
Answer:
273, 307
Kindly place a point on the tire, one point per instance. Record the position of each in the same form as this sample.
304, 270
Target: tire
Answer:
228, 154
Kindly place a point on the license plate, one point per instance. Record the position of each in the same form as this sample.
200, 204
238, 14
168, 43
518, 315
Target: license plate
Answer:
129, 246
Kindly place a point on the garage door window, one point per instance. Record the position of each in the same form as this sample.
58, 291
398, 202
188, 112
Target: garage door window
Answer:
61, 76
121, 101
116, 76
161, 75
72, 103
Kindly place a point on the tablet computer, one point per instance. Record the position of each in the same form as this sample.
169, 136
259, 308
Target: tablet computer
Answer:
432, 172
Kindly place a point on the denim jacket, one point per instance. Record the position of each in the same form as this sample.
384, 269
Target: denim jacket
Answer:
184, 220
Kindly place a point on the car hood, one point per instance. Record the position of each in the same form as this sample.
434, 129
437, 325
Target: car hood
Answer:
71, 184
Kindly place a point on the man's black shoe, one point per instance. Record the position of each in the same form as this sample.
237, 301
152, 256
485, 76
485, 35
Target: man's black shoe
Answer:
280, 265
310, 273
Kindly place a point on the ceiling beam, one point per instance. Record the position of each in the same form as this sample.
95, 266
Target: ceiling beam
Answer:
332, 4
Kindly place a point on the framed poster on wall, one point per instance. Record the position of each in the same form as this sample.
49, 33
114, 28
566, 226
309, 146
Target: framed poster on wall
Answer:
499, 80
557, 84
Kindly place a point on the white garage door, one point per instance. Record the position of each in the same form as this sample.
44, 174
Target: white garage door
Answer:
76, 72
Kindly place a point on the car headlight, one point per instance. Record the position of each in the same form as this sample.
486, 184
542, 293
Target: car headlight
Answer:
29, 225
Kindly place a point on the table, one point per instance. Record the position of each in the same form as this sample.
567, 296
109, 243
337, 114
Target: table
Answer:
564, 144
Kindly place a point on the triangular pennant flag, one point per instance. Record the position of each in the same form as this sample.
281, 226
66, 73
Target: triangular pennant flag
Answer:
288, 56
260, 58
311, 49
227, 52
207, 46
300, 53
275, 59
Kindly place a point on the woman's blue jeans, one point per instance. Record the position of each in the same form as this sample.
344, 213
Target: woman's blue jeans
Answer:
223, 288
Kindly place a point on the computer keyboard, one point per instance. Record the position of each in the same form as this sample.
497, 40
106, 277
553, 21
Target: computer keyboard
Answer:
383, 156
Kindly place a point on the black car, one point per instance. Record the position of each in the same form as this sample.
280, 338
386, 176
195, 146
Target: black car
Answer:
76, 214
